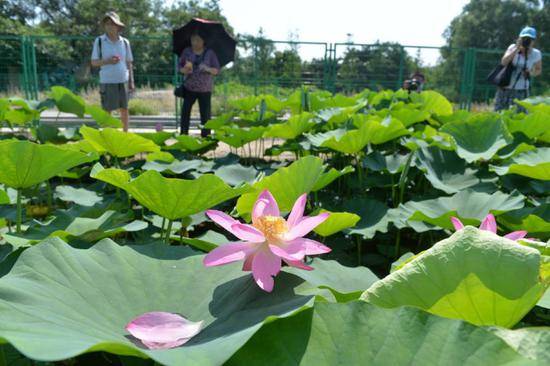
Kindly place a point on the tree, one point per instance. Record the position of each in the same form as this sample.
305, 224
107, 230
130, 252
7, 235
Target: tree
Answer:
375, 66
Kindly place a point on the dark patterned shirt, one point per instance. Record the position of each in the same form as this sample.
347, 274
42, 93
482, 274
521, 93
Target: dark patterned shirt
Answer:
199, 81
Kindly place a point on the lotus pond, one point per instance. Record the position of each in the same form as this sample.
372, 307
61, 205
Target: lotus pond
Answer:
383, 228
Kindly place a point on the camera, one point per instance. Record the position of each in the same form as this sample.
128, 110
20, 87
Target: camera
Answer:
412, 84
526, 42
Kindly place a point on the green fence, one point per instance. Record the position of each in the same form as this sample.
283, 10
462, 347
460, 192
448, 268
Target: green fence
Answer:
32, 64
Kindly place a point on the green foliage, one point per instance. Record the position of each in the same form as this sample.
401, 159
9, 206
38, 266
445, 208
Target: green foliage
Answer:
474, 275
25, 164
168, 197
117, 143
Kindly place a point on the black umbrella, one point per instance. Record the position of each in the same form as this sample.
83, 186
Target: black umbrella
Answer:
214, 34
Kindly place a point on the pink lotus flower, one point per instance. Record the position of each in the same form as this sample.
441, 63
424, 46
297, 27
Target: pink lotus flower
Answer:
268, 240
161, 330
490, 224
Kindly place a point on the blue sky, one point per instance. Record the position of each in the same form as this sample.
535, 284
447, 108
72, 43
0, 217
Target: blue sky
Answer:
419, 22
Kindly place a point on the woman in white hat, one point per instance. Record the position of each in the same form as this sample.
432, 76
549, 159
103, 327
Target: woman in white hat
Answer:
527, 62
113, 55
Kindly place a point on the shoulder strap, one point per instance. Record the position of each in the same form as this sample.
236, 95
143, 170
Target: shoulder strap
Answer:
126, 47
100, 47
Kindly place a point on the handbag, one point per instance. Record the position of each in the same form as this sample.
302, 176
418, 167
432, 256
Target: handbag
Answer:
179, 91
501, 75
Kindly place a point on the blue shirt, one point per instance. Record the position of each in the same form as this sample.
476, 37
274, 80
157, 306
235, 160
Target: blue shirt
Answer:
117, 73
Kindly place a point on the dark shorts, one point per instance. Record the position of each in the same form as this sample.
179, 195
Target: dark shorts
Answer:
504, 98
114, 96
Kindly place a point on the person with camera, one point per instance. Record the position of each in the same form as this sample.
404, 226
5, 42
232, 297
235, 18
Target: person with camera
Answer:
527, 62
199, 64
415, 82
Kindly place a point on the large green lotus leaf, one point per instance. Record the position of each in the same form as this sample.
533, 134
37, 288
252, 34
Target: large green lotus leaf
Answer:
292, 128
24, 163
358, 333
370, 131
532, 125
158, 138
162, 156
393, 164
287, 184
5, 250
246, 104
433, 102
102, 117
373, 215
221, 120
191, 144
428, 136
468, 205
474, 275
319, 138
533, 164
320, 101
66, 101
336, 222
519, 145
67, 225
236, 174
58, 302
446, 170
175, 167
273, 103
528, 341
80, 196
117, 143
409, 116
17, 111
344, 283
479, 137
544, 302
334, 117
207, 241
535, 220
170, 197
4, 198
238, 137
380, 131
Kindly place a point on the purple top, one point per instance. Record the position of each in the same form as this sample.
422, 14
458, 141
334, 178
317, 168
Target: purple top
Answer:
199, 81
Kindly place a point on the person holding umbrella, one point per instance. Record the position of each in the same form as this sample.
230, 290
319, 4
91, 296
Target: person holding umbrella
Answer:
200, 43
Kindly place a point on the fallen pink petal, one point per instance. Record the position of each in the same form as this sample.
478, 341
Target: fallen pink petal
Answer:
163, 330
269, 240
489, 223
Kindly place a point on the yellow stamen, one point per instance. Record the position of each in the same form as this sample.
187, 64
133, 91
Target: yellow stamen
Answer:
273, 227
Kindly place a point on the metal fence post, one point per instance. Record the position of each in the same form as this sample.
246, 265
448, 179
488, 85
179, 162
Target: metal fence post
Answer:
24, 67
401, 68
466, 72
33, 69
255, 65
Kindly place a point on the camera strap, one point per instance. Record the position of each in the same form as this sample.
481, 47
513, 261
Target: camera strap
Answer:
520, 71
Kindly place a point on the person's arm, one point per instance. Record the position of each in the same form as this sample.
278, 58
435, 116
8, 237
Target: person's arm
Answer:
510, 53
537, 69
185, 67
214, 68
130, 66
131, 85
